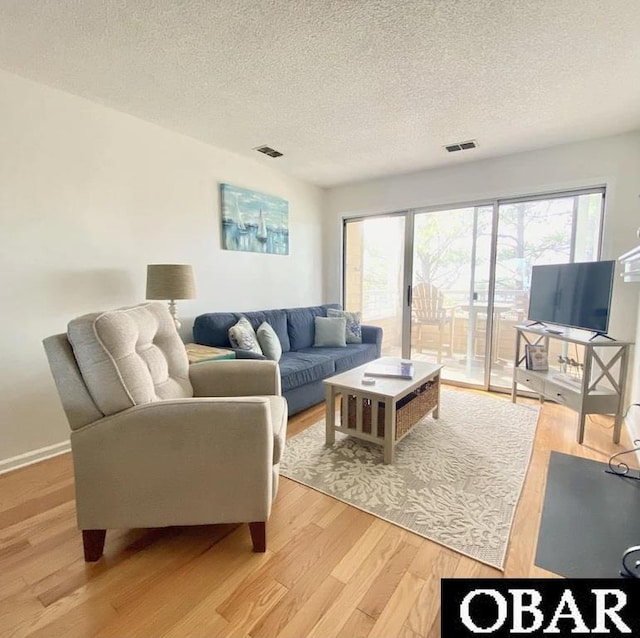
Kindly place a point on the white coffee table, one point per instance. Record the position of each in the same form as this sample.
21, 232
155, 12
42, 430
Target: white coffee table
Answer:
365, 408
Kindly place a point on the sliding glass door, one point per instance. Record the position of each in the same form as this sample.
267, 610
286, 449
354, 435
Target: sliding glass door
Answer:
450, 282
374, 275
448, 285
531, 232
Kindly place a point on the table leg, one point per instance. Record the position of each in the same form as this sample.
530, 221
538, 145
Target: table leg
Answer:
436, 410
330, 415
581, 421
389, 430
617, 427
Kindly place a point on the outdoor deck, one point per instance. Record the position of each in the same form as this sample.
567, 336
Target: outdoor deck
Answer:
459, 367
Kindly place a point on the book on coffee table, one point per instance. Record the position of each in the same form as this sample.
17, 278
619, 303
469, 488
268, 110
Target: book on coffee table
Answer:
400, 370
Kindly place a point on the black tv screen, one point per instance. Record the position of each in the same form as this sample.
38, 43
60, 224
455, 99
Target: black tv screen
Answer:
576, 295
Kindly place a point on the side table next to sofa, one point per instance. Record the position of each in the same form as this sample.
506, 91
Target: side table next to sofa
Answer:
197, 353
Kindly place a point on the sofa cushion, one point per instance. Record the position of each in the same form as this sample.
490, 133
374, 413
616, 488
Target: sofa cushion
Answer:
301, 326
355, 354
300, 368
212, 329
130, 356
277, 319
330, 332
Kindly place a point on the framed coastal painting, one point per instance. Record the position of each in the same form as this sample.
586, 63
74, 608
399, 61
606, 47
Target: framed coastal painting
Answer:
254, 222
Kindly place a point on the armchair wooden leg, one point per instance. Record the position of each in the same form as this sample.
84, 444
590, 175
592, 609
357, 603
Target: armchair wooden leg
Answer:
93, 541
259, 536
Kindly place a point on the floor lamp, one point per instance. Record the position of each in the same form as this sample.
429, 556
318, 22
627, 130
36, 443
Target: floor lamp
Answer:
171, 281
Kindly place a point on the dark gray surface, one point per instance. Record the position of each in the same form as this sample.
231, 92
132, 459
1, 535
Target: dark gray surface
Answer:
589, 518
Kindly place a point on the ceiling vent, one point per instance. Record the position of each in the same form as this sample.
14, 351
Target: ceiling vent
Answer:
267, 150
462, 146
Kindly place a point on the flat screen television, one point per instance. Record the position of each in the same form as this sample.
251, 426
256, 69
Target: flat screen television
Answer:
576, 295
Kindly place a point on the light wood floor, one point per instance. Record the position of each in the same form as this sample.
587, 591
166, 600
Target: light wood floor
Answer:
329, 570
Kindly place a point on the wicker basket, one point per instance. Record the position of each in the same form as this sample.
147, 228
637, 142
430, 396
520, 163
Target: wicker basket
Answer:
409, 410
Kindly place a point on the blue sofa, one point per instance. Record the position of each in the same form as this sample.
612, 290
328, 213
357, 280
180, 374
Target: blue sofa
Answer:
302, 367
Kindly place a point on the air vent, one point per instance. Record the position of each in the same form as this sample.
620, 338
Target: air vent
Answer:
462, 146
267, 150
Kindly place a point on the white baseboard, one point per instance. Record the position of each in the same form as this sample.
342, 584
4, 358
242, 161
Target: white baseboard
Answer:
28, 458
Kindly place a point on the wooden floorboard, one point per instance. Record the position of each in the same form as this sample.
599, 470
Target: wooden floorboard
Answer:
329, 569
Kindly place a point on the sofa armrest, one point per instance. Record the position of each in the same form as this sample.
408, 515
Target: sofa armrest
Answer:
247, 354
372, 334
233, 378
175, 462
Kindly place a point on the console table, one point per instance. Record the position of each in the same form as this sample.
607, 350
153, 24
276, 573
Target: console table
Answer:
601, 388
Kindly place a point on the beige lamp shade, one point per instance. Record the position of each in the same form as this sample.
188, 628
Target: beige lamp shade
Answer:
170, 281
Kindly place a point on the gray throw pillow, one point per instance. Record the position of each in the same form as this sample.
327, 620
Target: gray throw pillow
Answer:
269, 342
354, 324
243, 337
330, 332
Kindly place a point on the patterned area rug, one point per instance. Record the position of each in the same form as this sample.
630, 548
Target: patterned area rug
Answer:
455, 480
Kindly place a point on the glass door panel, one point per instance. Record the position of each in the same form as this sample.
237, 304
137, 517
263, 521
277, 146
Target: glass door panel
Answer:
373, 275
534, 232
450, 284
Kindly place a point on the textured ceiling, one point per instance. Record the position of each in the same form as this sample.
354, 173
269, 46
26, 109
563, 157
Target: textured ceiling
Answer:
346, 89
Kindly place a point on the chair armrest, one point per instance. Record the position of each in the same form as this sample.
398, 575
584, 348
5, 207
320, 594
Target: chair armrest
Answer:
372, 334
185, 413
175, 462
233, 378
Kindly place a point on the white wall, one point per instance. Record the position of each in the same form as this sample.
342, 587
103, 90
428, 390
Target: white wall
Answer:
88, 197
612, 161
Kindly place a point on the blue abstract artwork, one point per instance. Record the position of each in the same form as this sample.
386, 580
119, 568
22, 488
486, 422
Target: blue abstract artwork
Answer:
254, 222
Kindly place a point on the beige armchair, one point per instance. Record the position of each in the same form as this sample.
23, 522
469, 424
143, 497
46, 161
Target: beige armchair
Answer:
156, 442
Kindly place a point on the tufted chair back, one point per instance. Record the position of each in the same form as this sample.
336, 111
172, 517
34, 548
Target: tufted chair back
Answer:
130, 356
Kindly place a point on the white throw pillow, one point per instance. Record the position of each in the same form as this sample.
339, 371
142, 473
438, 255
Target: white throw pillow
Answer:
243, 337
354, 324
269, 342
330, 332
